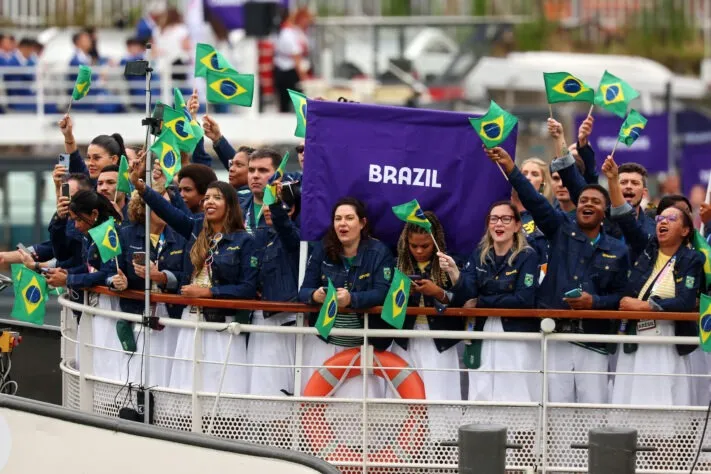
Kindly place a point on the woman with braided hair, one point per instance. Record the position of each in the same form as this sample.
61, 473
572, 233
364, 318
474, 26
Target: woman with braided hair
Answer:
417, 258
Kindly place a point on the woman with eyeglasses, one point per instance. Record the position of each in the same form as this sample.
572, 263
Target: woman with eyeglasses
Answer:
666, 277
501, 273
88, 209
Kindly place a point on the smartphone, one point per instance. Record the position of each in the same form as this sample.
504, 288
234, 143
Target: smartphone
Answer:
65, 189
139, 258
63, 160
574, 293
414, 277
23, 248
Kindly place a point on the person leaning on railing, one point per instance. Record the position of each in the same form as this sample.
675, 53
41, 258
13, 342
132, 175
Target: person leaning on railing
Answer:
217, 263
666, 277
360, 268
583, 261
501, 273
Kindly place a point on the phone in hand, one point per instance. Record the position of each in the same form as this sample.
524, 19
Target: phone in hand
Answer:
139, 258
23, 248
414, 277
65, 190
63, 160
574, 293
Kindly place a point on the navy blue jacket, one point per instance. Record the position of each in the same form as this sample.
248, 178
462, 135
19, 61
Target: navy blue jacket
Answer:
250, 221
181, 220
67, 242
536, 239
436, 323
90, 272
169, 260
600, 270
587, 155
367, 280
511, 286
42, 252
278, 258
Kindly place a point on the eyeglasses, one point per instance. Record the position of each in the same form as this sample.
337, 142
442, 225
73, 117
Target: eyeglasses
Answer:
213, 248
669, 218
493, 219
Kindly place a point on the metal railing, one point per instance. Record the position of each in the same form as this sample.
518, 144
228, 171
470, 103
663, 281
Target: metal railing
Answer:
366, 434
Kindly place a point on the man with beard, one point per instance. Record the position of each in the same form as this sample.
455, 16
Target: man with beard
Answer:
586, 270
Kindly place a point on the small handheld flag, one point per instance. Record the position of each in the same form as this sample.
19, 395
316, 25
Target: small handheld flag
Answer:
328, 313
124, 183
700, 244
82, 83
180, 104
411, 212
208, 59
395, 305
564, 87
705, 323
106, 239
279, 173
230, 87
495, 126
30, 290
175, 122
166, 149
269, 195
299, 101
632, 128
614, 94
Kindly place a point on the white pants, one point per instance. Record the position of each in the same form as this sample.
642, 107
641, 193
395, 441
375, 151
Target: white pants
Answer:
161, 351
271, 349
575, 387
108, 359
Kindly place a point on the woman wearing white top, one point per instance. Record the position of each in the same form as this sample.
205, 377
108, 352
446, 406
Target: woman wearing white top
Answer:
291, 64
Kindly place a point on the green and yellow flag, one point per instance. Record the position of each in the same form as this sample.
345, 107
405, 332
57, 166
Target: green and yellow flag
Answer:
705, 323
106, 239
124, 182
632, 128
328, 313
495, 126
180, 104
564, 87
30, 295
614, 94
230, 87
168, 153
270, 195
395, 305
82, 83
411, 212
208, 59
175, 122
299, 101
700, 244
270, 191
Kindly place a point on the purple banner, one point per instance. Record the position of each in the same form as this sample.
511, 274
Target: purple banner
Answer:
651, 149
231, 12
387, 156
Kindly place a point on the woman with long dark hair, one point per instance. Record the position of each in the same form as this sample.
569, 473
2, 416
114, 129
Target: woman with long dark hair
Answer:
360, 268
104, 150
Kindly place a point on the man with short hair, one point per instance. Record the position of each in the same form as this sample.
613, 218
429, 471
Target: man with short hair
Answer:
263, 163
633, 181
106, 184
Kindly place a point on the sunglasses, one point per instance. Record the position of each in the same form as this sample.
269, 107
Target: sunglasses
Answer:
669, 218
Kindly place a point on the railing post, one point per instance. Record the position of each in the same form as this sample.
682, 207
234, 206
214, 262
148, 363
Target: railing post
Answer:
482, 449
365, 361
547, 327
197, 376
86, 362
612, 450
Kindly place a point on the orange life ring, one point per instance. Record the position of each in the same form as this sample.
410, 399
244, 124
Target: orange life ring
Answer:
346, 365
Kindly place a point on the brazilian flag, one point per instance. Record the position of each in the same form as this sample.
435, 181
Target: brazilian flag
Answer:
124, 183
106, 239
270, 195
564, 87
208, 59
82, 83
495, 126
395, 305
411, 212
632, 128
180, 104
30, 295
168, 153
299, 101
230, 87
175, 122
700, 244
614, 94
705, 323
328, 313
279, 173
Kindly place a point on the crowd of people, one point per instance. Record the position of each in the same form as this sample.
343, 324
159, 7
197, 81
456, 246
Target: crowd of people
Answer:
562, 241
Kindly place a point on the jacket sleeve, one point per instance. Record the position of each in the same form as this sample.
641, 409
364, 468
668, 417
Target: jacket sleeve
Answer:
570, 176
688, 282
87, 280
76, 163
200, 156
587, 154
43, 251
616, 288
58, 238
181, 222
544, 214
632, 230
467, 286
224, 151
246, 286
312, 277
376, 295
524, 294
289, 234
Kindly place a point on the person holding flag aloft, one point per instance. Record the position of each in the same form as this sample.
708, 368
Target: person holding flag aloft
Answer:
667, 276
104, 150
586, 270
430, 287
501, 273
348, 270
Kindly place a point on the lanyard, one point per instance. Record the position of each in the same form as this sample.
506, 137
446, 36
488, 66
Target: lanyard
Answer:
655, 282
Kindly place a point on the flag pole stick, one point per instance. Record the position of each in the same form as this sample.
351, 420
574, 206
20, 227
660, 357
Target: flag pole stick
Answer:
550, 109
591, 109
117, 265
502, 170
435, 241
71, 101
612, 155
115, 194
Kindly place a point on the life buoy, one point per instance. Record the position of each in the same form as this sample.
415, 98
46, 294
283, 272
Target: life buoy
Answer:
346, 365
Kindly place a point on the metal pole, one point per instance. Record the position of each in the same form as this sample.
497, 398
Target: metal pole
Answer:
147, 263
482, 449
612, 450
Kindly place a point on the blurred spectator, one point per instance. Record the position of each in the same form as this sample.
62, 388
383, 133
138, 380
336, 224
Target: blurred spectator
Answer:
291, 64
697, 195
94, 51
101, 102
21, 84
147, 26
82, 49
670, 184
173, 46
7, 48
37, 50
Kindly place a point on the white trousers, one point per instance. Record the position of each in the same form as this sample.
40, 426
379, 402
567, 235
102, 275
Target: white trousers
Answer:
271, 349
576, 387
